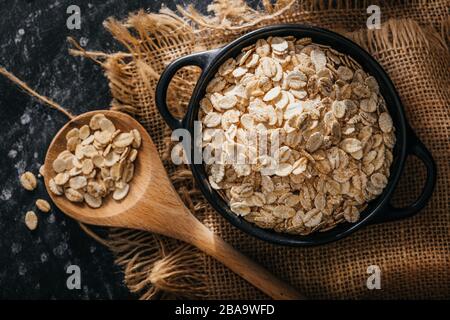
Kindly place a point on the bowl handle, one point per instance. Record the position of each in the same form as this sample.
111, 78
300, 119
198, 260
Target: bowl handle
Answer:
200, 59
417, 148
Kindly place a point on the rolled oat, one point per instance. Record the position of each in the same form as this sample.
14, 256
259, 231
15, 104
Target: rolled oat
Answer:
43, 205
31, 220
28, 181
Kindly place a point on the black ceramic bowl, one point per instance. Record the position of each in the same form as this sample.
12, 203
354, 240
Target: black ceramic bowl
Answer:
378, 210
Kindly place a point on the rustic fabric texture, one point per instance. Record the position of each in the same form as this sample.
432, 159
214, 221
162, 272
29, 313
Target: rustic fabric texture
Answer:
413, 254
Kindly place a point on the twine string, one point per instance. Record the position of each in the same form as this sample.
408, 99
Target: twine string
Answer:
33, 93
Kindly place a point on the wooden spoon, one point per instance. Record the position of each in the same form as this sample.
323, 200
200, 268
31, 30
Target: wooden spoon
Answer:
152, 204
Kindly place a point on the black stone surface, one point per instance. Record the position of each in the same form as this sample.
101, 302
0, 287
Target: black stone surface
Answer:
33, 46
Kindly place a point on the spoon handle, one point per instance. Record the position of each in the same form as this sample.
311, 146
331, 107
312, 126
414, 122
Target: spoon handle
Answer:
164, 212
211, 244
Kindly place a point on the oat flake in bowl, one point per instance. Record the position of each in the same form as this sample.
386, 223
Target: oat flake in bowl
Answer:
332, 133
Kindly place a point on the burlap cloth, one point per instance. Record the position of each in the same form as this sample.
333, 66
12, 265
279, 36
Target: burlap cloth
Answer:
413, 254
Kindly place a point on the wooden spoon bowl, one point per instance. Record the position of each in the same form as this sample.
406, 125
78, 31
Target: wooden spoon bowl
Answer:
152, 204
108, 213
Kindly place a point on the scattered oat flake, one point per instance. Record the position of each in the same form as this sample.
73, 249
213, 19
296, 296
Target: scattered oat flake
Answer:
31, 220
43, 205
42, 171
28, 181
